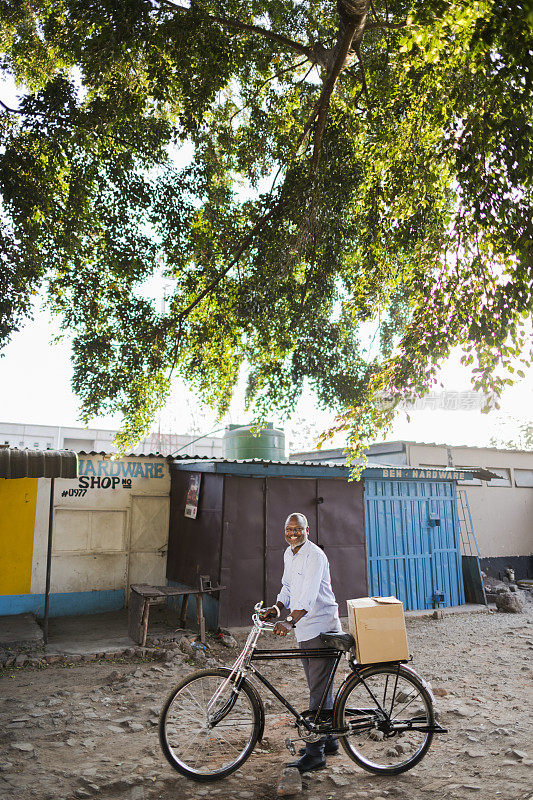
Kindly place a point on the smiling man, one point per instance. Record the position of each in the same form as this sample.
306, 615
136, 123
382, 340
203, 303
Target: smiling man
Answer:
306, 591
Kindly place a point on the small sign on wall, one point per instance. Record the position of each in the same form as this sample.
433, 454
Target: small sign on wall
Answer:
193, 493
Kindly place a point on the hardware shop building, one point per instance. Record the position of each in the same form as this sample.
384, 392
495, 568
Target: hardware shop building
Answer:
395, 532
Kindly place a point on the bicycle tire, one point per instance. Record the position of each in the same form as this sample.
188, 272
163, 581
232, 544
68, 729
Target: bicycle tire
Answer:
180, 731
373, 746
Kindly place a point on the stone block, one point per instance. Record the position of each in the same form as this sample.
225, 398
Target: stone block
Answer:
290, 782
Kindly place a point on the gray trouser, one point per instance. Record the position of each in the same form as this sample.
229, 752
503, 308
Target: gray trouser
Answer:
317, 672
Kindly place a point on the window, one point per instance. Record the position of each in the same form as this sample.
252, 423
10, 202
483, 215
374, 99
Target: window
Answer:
503, 479
465, 482
523, 477
21, 444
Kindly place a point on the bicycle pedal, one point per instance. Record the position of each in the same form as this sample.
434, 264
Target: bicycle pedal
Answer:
290, 747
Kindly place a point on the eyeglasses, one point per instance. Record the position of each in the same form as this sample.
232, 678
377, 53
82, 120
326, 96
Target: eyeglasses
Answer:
294, 530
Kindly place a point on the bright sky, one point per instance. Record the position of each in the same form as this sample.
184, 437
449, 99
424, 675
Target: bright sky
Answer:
35, 379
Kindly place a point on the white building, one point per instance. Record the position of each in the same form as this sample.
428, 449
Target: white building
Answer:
50, 437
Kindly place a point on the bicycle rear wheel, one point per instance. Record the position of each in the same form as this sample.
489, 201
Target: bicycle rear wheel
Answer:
191, 743
388, 711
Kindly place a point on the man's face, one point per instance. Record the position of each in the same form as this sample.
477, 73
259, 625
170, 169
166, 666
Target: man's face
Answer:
296, 531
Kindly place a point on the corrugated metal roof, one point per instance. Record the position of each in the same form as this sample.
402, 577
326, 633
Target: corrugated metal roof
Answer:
258, 466
15, 463
128, 455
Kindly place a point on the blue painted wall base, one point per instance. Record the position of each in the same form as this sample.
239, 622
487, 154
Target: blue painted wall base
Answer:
63, 604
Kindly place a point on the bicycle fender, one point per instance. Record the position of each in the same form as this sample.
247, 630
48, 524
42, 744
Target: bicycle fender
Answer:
257, 696
424, 683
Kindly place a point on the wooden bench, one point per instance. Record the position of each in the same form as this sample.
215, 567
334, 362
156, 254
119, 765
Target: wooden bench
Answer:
142, 596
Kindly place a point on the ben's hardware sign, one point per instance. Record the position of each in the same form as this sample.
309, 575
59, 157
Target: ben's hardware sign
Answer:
439, 474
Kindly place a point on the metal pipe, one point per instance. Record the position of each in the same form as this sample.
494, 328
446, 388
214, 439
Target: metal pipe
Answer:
48, 560
217, 430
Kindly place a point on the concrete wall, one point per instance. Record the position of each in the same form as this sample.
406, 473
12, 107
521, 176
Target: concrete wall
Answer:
110, 530
502, 515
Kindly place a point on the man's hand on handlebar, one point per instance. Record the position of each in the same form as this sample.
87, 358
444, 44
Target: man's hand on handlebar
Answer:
282, 628
269, 613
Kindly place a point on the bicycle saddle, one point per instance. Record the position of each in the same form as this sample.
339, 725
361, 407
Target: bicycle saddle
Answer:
340, 641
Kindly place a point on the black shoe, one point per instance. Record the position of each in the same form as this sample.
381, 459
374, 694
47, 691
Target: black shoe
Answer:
331, 748
308, 763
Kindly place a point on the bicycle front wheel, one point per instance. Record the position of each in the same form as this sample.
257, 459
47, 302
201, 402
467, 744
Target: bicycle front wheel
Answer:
389, 711
195, 746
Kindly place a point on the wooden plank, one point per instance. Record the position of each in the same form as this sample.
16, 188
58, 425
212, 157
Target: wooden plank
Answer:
172, 591
147, 591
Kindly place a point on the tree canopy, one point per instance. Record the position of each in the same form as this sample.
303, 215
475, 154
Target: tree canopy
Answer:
299, 170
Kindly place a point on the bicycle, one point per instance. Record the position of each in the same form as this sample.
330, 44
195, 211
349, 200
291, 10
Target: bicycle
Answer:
383, 714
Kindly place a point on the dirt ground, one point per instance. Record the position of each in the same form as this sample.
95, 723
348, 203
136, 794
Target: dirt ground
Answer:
90, 729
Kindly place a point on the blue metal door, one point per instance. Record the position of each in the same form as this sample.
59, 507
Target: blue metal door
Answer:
412, 542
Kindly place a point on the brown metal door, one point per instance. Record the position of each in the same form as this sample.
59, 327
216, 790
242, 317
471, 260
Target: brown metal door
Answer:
285, 496
341, 534
242, 565
194, 544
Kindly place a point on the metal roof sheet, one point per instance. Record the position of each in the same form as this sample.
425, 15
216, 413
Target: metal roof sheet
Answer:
15, 463
328, 469
128, 455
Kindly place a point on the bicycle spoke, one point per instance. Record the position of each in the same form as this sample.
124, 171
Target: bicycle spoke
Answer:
191, 744
378, 747
385, 691
405, 706
195, 701
229, 743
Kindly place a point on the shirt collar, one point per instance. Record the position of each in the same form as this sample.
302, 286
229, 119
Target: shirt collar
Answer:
301, 550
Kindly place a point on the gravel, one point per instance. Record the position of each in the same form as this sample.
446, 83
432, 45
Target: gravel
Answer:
90, 729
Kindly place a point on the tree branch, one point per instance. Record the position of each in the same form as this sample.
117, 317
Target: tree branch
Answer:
353, 28
312, 53
11, 110
363, 74
280, 206
374, 26
275, 37
264, 83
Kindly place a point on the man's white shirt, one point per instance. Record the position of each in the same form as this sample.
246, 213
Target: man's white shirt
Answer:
306, 585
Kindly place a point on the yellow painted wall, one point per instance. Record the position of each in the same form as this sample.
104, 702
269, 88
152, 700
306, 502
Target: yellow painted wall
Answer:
18, 498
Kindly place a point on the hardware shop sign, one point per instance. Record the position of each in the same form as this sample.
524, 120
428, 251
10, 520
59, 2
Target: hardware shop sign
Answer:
99, 477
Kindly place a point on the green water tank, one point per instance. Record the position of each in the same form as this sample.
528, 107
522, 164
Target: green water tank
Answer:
240, 443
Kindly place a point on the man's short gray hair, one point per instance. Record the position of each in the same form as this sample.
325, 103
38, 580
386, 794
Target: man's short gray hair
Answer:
301, 517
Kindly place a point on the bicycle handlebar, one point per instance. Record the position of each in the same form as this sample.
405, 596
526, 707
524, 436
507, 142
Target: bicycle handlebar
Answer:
261, 623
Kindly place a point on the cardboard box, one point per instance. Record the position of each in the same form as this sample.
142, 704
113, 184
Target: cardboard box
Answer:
378, 627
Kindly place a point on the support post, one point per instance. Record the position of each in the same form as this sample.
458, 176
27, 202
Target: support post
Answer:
48, 561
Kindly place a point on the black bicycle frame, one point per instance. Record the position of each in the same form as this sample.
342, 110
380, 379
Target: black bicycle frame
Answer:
335, 655
296, 653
